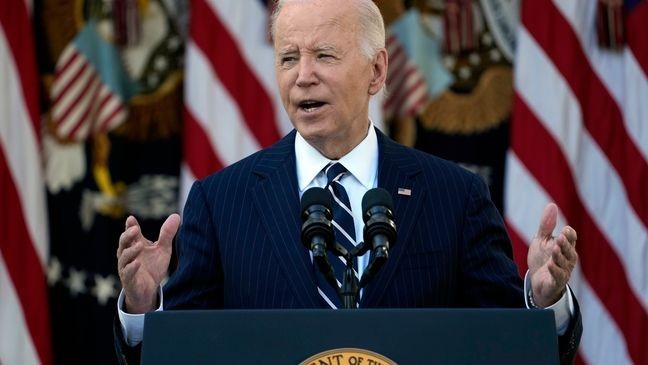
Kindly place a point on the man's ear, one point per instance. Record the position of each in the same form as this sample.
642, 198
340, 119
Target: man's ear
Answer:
379, 68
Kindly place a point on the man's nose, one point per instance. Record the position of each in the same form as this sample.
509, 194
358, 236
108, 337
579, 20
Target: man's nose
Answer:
307, 73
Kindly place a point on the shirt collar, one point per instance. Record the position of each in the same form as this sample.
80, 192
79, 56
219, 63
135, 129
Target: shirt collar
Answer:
362, 161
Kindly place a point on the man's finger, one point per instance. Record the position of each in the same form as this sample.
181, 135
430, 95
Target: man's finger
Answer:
548, 221
127, 238
169, 229
567, 249
559, 274
131, 221
129, 254
570, 234
558, 258
128, 272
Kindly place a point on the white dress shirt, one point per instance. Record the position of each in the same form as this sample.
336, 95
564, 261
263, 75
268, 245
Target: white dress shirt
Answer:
362, 164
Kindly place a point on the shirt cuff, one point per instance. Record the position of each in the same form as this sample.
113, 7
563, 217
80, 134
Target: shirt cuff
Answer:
563, 308
132, 325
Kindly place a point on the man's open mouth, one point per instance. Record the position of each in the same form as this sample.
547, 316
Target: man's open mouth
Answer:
310, 105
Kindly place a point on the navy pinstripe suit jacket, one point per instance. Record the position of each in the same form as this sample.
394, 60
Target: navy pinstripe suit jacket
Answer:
239, 245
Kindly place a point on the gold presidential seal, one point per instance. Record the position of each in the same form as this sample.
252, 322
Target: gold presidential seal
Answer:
348, 356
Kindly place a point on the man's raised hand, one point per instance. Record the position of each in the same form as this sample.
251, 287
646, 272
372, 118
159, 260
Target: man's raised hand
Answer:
143, 264
551, 259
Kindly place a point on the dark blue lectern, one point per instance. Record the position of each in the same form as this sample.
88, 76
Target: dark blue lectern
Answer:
405, 336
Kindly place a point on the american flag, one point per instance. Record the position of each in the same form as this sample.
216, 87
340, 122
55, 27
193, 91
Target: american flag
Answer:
580, 138
90, 87
232, 106
407, 93
24, 319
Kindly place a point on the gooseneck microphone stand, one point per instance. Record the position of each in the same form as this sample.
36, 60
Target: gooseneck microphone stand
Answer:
318, 236
349, 291
350, 288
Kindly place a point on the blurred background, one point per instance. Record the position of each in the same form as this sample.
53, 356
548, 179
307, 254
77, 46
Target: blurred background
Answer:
113, 107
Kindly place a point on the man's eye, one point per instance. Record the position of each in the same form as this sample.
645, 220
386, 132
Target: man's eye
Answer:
325, 56
285, 60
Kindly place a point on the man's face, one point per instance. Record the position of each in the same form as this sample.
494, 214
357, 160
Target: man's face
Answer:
324, 80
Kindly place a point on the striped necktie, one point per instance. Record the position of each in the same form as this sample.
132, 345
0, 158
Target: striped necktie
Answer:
344, 228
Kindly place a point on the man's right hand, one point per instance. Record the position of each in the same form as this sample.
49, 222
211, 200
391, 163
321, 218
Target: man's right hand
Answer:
143, 264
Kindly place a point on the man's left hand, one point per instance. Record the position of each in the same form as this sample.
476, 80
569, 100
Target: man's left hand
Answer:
551, 259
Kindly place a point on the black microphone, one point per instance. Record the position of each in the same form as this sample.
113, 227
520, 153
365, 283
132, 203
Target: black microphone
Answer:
379, 230
317, 229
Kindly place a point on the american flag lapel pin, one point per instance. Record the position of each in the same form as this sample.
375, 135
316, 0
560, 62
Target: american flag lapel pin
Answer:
404, 191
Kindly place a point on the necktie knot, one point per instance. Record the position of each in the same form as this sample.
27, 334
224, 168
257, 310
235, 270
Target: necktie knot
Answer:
334, 172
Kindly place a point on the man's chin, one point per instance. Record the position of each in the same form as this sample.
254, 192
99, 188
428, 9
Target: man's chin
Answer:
314, 130
315, 139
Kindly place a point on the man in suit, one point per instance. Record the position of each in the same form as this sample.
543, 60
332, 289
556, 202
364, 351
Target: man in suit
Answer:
239, 245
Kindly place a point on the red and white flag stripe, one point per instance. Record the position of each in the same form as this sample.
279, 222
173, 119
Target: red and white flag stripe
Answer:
81, 103
232, 108
406, 87
580, 138
24, 319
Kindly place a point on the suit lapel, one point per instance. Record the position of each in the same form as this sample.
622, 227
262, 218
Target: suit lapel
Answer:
277, 199
397, 169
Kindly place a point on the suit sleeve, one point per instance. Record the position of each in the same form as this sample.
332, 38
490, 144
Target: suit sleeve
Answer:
569, 341
197, 282
489, 277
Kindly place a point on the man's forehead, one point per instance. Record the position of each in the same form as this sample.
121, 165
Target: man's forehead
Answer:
322, 3
313, 32
303, 25
317, 14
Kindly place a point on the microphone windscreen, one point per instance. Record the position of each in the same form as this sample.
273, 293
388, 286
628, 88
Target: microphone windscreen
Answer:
377, 197
316, 196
